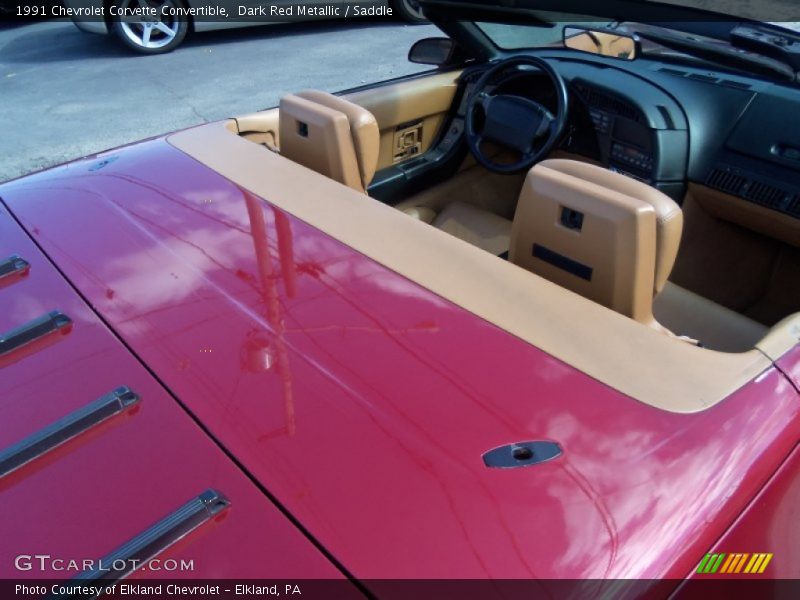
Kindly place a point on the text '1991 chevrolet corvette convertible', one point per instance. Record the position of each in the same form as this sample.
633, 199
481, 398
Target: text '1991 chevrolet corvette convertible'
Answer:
531, 315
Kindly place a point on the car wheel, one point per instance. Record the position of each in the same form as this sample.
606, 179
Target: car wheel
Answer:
409, 10
151, 35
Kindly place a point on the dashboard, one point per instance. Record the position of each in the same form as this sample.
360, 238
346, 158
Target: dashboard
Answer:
618, 134
733, 137
611, 128
670, 125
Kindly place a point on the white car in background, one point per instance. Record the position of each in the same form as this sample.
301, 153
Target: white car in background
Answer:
159, 26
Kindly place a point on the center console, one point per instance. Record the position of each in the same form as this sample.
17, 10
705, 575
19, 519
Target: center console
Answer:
619, 135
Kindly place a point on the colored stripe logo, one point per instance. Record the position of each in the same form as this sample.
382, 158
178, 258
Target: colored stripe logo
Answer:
734, 563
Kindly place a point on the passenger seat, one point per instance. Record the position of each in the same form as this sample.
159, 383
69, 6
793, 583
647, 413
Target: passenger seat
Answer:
330, 135
714, 326
611, 239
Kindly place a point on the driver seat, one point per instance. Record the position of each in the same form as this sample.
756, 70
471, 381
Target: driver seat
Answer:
331, 136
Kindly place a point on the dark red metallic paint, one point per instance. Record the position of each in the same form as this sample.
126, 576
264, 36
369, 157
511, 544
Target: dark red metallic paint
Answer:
364, 402
97, 491
770, 524
789, 364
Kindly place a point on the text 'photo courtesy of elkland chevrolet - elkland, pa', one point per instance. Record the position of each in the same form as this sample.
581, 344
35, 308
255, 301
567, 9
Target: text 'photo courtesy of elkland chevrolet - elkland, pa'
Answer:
400, 299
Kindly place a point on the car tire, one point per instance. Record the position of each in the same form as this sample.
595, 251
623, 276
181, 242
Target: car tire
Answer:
409, 11
151, 35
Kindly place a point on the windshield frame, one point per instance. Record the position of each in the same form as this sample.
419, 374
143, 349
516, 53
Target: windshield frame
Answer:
679, 14
712, 53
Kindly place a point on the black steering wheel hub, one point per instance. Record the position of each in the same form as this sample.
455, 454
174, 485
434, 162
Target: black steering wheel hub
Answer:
514, 122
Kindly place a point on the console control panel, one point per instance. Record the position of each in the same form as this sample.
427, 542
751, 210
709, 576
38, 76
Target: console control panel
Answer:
631, 157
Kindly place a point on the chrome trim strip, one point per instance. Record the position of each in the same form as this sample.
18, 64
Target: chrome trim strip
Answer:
16, 338
13, 265
151, 542
66, 428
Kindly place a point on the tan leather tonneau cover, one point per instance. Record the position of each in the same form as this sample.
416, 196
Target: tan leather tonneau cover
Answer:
615, 350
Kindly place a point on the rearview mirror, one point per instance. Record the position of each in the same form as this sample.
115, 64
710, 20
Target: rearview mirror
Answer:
432, 51
603, 42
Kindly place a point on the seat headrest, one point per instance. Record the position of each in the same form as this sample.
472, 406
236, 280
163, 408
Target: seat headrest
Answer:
601, 234
330, 135
669, 216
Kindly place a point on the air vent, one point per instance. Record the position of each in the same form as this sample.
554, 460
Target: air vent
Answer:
725, 180
794, 207
608, 103
701, 77
739, 85
672, 71
745, 185
767, 195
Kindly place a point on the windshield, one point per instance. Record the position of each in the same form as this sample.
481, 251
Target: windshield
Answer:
677, 42
549, 31
767, 11
516, 37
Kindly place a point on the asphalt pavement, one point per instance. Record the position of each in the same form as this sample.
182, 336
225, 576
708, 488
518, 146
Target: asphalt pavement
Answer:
65, 93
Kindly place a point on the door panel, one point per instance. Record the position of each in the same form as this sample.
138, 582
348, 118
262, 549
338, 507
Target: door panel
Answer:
413, 107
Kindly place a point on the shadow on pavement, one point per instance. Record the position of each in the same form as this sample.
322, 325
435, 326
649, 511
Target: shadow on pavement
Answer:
58, 42
61, 42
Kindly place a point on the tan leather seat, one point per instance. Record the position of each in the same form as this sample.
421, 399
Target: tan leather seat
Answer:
330, 135
606, 236
685, 313
601, 234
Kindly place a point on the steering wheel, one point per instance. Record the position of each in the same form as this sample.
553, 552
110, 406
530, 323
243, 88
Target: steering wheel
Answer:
514, 122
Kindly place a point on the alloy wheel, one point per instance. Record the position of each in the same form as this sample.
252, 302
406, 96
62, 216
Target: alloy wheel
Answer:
150, 32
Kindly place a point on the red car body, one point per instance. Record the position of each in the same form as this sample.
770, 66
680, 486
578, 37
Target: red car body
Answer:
342, 409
